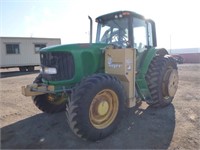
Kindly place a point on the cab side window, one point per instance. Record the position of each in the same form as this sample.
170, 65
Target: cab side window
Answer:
140, 34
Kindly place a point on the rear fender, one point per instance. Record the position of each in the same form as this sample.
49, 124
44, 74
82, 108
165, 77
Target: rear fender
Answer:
141, 83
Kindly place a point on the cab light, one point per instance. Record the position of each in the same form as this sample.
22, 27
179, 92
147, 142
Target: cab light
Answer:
126, 13
120, 16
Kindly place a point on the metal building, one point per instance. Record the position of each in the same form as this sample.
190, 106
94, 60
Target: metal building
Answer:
23, 52
189, 55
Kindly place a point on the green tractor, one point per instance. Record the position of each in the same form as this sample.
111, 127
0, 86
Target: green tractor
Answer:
95, 82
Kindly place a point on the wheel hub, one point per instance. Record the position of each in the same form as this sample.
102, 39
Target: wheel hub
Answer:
173, 83
57, 100
103, 109
170, 83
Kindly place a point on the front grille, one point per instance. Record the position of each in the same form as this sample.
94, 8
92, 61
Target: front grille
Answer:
62, 61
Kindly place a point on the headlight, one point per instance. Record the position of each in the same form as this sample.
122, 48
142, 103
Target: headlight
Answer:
48, 70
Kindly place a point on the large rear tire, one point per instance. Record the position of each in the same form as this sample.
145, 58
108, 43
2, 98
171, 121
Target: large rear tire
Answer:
96, 107
162, 79
49, 103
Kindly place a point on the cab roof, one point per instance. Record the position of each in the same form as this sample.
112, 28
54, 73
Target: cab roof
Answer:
113, 15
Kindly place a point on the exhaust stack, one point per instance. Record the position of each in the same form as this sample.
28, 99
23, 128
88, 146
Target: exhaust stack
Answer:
90, 28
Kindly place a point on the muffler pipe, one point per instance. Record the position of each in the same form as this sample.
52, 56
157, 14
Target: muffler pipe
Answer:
90, 29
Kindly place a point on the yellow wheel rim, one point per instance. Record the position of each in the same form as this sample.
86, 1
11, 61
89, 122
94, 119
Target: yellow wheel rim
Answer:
103, 109
170, 83
173, 83
56, 100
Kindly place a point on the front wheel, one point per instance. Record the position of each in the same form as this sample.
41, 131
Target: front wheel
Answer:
96, 106
49, 103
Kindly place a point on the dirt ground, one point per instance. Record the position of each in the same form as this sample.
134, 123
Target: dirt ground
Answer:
174, 127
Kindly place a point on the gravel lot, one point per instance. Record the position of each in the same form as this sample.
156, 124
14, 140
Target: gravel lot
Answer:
174, 127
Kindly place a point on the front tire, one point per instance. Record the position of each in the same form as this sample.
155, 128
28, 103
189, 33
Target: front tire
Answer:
162, 79
96, 107
49, 103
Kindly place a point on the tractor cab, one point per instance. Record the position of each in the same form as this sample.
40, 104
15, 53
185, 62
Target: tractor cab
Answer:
126, 29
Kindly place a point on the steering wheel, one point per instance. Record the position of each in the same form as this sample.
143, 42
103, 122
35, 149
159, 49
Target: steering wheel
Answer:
120, 41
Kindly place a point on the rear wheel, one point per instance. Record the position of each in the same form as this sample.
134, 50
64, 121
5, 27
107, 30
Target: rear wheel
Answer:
49, 103
162, 79
96, 107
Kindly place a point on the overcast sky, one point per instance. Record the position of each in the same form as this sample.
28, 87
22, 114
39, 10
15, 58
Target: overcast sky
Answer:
177, 20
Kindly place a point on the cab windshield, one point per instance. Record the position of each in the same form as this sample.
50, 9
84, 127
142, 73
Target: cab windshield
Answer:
113, 32
125, 32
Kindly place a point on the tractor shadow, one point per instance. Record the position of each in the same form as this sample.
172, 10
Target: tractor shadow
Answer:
139, 129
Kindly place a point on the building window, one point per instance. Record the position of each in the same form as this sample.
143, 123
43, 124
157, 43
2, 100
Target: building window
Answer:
38, 47
12, 48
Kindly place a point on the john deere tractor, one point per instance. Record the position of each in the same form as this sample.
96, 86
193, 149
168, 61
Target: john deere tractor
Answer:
95, 82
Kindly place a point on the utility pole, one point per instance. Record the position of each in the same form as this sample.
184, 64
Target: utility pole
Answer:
170, 43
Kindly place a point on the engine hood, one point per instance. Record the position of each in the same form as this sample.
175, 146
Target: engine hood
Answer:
74, 60
74, 47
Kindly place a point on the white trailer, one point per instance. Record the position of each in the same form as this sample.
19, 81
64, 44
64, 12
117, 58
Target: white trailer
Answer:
23, 52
